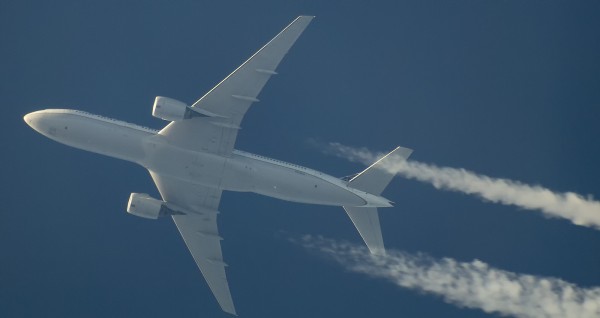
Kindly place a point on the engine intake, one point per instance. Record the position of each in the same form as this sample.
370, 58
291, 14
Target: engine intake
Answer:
145, 206
171, 109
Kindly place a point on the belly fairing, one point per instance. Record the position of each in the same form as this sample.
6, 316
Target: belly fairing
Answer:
191, 166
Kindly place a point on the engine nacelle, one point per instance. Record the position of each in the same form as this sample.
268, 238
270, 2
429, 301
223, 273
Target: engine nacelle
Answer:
143, 205
171, 109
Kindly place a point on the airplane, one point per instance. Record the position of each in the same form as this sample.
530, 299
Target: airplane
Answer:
192, 161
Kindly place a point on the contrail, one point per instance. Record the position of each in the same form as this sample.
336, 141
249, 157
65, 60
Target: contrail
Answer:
572, 206
467, 284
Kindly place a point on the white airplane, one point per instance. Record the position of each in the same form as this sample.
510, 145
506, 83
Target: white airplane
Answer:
192, 161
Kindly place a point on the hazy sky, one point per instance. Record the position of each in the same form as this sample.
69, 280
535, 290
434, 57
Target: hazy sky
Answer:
507, 89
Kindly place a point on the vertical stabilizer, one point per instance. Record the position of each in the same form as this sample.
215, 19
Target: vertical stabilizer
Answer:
376, 178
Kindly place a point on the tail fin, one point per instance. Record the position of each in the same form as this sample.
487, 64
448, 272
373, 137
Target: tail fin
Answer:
373, 180
376, 178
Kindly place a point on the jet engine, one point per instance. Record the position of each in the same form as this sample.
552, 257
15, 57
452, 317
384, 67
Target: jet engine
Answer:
171, 109
145, 206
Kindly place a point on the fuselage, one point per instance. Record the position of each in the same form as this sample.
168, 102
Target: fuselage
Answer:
239, 171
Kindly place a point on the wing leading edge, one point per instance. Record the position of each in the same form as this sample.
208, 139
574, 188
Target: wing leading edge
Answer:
226, 104
233, 95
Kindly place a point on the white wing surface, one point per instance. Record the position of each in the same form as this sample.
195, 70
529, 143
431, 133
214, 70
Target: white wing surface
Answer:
198, 227
224, 106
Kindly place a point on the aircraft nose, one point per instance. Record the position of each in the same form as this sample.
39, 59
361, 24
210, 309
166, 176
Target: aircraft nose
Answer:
32, 119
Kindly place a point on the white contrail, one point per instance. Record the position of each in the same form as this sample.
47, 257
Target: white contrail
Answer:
474, 284
572, 206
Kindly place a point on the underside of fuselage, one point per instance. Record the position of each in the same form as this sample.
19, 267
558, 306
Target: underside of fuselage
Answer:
243, 172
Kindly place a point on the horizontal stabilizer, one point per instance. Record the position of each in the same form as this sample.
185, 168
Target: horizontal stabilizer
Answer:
376, 177
366, 222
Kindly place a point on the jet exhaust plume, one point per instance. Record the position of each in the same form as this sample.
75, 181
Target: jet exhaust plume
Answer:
467, 284
571, 206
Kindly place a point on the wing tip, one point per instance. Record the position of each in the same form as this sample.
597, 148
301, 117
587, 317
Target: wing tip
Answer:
230, 311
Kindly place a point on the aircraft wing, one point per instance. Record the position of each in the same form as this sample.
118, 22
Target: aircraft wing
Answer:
198, 227
223, 107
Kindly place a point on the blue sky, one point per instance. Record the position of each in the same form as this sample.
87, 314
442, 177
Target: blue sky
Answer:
505, 88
